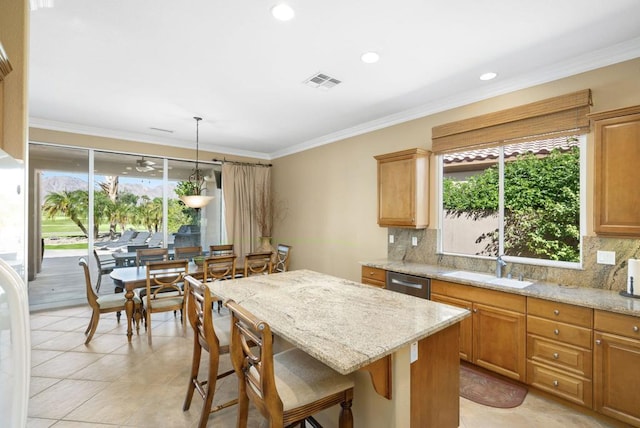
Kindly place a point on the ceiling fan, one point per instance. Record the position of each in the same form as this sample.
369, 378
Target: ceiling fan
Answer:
144, 165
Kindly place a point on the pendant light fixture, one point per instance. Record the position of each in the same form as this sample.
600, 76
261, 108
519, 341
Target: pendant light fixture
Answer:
196, 180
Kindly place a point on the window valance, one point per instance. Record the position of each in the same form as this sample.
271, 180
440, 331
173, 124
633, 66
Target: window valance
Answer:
553, 117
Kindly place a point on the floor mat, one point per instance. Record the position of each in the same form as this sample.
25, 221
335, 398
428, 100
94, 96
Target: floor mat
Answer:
483, 388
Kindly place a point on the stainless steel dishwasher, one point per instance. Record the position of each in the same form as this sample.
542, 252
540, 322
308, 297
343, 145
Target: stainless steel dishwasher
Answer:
409, 284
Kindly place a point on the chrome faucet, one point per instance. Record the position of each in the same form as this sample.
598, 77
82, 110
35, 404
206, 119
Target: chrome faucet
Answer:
499, 265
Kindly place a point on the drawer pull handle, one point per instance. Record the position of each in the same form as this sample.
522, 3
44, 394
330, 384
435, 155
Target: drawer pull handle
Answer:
556, 312
556, 355
598, 342
556, 332
635, 328
556, 383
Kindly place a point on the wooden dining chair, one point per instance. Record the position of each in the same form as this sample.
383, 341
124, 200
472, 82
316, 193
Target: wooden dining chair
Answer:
104, 304
288, 387
218, 268
187, 253
146, 255
209, 335
221, 250
164, 289
257, 263
283, 255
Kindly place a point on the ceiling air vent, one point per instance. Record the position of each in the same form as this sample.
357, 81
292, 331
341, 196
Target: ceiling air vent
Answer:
321, 81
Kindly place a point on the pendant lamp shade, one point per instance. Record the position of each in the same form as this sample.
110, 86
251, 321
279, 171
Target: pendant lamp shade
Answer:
196, 199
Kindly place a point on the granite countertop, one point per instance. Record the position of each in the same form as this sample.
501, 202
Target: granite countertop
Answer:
344, 324
582, 296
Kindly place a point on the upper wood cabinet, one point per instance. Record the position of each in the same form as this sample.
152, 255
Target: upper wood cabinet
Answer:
617, 154
403, 189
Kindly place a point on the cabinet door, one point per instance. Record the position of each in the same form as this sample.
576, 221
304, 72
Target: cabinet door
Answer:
374, 276
499, 338
397, 192
617, 377
403, 198
617, 196
466, 325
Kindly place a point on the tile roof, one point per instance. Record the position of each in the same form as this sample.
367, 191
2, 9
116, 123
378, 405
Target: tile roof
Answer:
540, 147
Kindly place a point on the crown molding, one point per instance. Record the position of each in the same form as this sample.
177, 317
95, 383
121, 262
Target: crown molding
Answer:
597, 59
74, 128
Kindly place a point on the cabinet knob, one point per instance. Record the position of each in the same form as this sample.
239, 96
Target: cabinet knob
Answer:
556, 312
556, 332
556, 383
556, 355
372, 273
598, 342
475, 311
635, 328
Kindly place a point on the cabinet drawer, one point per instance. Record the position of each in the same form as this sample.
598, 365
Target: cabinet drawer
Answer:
374, 276
571, 334
572, 388
562, 312
623, 325
564, 357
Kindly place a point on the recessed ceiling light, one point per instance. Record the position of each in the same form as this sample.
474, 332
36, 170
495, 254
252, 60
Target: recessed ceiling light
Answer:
282, 12
370, 57
488, 76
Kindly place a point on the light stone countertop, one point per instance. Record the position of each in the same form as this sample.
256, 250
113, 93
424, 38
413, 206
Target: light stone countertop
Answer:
344, 324
582, 296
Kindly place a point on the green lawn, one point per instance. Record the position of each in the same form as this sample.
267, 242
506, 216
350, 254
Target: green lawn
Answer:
63, 227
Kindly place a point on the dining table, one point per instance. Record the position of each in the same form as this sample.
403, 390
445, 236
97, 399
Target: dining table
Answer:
130, 278
403, 351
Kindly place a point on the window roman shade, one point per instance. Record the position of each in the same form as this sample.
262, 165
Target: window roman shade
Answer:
553, 117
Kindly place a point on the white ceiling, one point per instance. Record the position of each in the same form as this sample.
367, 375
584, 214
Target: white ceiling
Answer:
120, 67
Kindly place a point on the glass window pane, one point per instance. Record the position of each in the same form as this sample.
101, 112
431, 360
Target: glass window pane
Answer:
542, 199
189, 226
128, 197
470, 202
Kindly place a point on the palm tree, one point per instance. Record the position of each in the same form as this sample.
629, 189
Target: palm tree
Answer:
110, 187
70, 204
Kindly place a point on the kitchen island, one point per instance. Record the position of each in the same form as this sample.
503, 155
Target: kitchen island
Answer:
402, 350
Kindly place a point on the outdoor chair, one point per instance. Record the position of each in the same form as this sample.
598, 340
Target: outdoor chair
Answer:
287, 388
140, 238
124, 239
104, 304
212, 336
155, 240
105, 266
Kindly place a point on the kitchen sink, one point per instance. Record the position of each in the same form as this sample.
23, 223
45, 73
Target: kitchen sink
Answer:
488, 279
510, 282
472, 276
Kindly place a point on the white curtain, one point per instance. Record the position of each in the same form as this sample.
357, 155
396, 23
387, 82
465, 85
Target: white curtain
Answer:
242, 185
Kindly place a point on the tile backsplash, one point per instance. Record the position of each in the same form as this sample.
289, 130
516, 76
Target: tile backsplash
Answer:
608, 277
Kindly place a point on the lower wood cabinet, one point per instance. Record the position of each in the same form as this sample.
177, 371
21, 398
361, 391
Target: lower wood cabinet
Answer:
374, 276
466, 325
559, 344
617, 366
495, 337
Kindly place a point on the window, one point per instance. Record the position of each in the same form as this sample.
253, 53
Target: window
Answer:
521, 200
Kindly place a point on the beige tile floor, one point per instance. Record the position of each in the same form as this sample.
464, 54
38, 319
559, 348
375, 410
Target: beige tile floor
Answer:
110, 383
